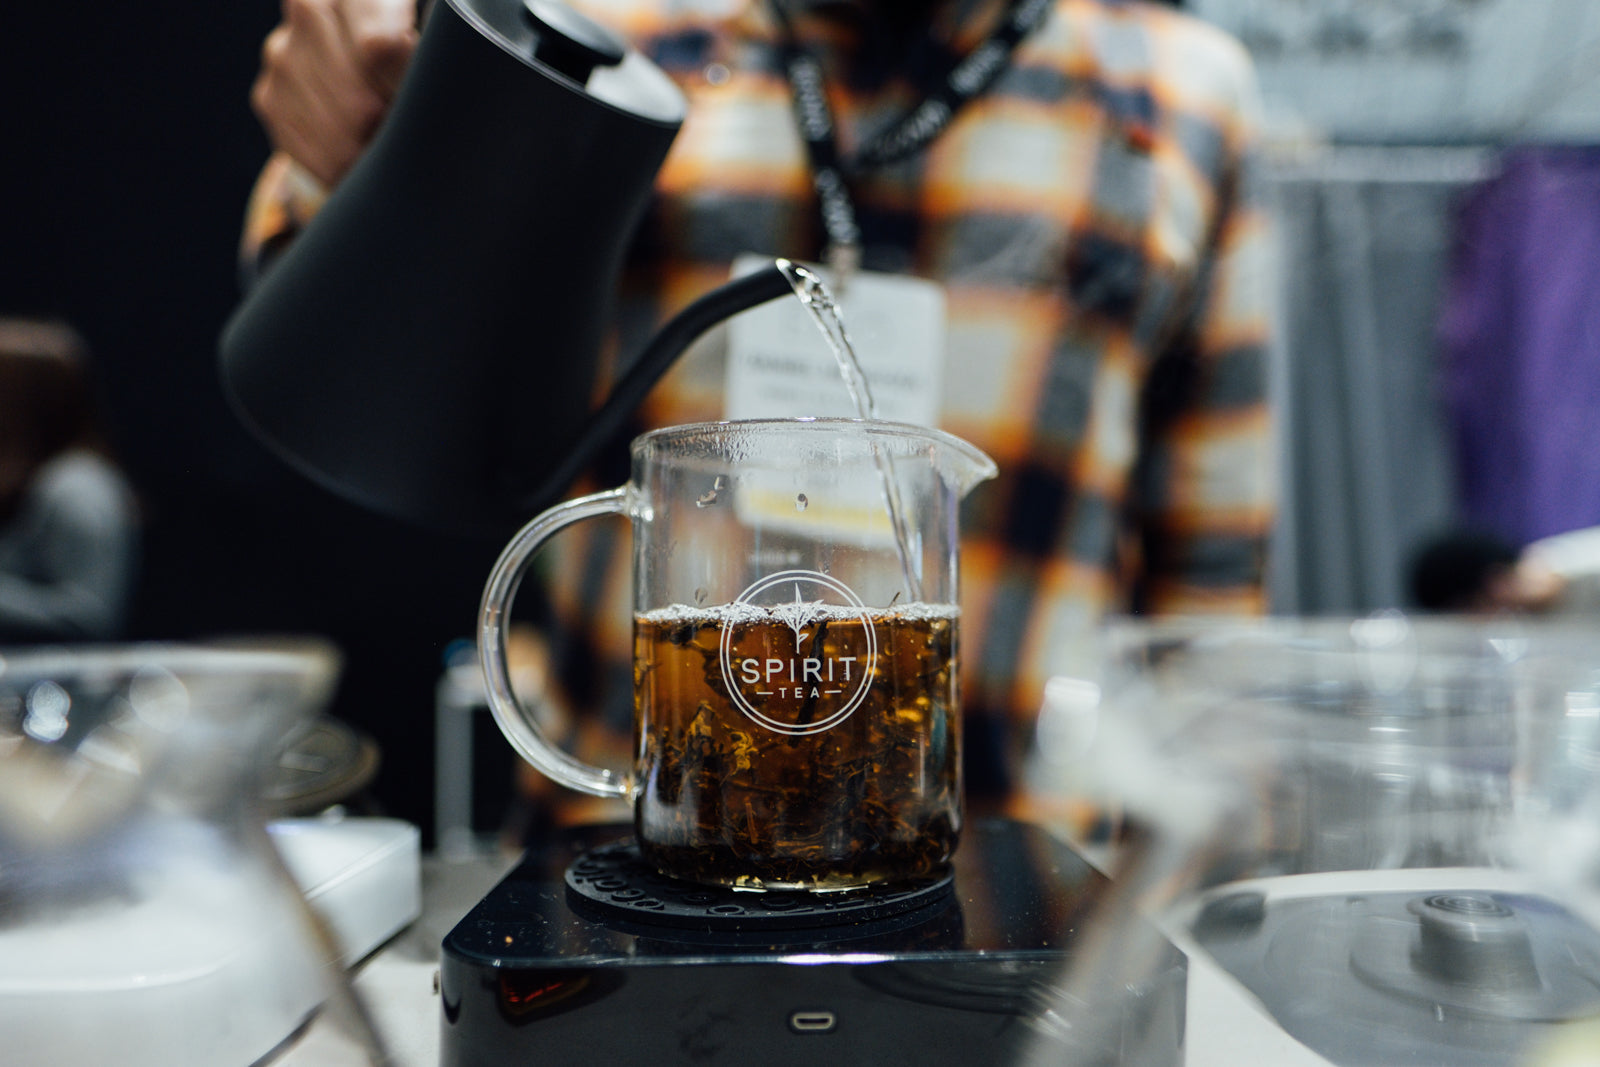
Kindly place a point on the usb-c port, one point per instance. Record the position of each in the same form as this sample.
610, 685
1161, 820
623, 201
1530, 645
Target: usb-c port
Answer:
813, 1022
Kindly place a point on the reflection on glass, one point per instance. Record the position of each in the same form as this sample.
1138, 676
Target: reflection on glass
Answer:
135, 866
1387, 829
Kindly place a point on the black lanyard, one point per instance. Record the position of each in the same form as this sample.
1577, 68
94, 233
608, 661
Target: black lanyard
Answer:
915, 130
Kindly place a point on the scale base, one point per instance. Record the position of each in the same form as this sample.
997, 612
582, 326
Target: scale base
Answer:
535, 974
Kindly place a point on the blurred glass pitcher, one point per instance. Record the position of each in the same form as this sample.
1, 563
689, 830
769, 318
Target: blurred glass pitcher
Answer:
145, 916
1382, 828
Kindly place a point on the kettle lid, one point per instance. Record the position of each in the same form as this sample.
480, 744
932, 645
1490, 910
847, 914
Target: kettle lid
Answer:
561, 42
569, 39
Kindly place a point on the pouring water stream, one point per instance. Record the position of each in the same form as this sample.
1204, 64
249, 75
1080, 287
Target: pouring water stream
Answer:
816, 298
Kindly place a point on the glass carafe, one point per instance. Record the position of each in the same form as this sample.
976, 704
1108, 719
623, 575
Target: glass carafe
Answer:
796, 623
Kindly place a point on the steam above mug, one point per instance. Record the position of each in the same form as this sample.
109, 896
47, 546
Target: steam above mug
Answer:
426, 347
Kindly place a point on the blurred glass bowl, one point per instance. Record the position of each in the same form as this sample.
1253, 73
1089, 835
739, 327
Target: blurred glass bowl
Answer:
1386, 829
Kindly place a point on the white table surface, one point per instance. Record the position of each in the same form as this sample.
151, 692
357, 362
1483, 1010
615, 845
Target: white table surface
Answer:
397, 983
1224, 1026
398, 986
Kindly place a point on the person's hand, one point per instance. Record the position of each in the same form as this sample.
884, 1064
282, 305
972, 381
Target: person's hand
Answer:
329, 71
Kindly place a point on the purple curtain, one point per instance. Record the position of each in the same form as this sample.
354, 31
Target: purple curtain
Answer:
1520, 344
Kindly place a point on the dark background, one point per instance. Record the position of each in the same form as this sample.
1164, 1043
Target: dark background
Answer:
127, 151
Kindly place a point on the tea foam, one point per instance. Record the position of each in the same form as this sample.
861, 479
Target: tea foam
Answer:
740, 612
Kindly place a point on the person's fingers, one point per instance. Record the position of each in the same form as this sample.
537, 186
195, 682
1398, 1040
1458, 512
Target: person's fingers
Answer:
326, 151
314, 100
382, 35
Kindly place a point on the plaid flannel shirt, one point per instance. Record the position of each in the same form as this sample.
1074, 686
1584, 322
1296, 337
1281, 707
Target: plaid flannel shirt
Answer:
1094, 223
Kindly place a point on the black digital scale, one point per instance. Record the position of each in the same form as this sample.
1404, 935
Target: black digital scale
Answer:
583, 953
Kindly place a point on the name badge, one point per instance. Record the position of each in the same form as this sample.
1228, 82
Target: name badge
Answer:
780, 364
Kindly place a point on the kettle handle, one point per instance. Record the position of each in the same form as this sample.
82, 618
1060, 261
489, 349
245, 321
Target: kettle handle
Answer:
519, 723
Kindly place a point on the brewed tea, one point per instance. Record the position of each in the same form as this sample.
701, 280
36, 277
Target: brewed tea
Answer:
797, 746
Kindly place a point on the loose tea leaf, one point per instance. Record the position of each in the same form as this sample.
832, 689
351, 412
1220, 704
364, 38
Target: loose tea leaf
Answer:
762, 787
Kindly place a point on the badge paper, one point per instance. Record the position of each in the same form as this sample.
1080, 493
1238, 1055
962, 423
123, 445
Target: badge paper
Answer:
780, 365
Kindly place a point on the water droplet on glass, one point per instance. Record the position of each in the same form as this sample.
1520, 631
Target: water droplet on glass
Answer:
800, 502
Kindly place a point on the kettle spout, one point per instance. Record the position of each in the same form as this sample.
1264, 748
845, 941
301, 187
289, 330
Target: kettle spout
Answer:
659, 355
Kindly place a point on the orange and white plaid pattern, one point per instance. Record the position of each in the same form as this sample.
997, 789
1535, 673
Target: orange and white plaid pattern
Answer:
1095, 225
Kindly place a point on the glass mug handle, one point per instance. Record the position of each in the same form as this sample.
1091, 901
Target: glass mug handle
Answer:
518, 723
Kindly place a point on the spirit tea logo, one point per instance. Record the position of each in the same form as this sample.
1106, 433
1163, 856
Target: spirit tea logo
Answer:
802, 661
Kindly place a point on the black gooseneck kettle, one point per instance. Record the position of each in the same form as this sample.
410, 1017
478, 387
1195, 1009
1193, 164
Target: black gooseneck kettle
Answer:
427, 346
